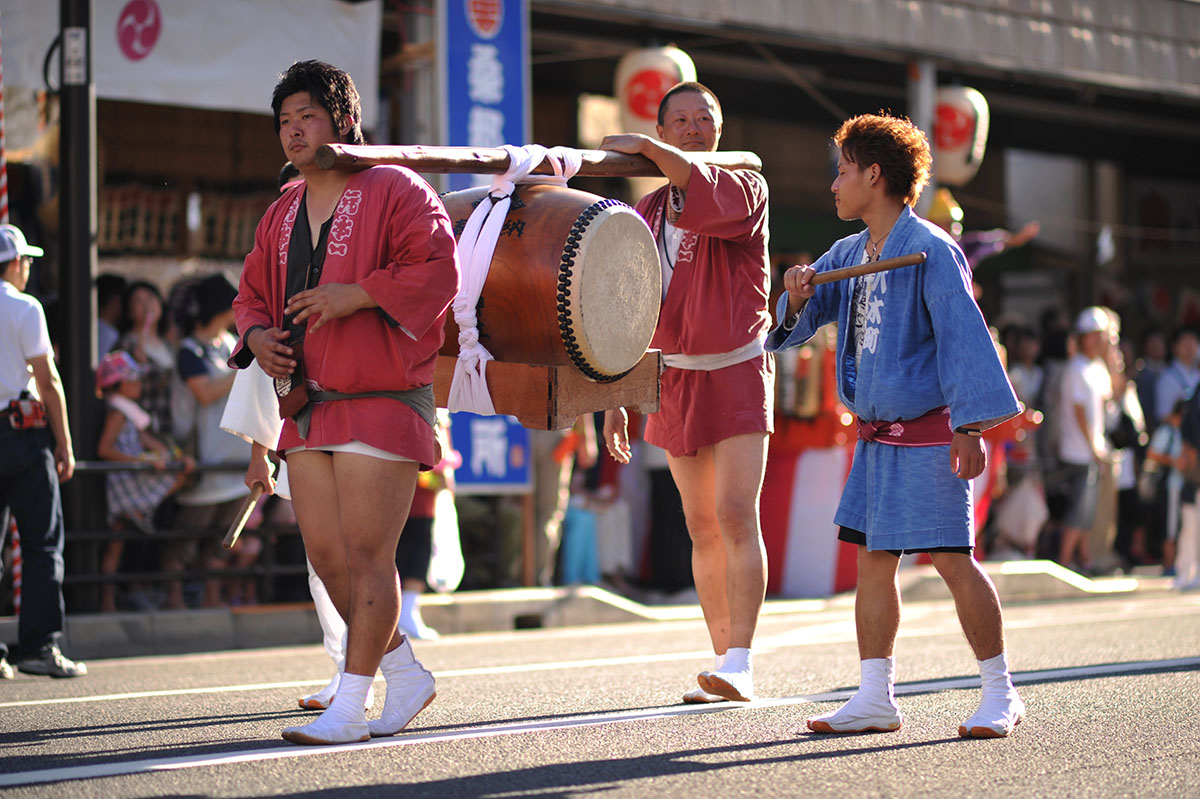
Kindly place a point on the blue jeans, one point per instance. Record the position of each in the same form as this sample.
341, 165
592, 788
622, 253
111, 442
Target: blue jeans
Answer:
29, 489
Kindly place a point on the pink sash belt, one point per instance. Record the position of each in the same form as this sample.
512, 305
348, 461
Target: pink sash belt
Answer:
930, 430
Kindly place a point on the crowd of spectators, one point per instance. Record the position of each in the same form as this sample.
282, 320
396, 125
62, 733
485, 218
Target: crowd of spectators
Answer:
164, 380
1112, 466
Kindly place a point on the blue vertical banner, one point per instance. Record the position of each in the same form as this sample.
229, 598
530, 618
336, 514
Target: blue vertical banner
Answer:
495, 454
483, 75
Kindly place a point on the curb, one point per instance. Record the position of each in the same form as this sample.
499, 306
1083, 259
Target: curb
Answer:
174, 632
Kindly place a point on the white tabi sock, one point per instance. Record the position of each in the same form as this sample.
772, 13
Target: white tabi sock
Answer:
410, 688
345, 721
872, 708
699, 696
733, 678
736, 660
408, 605
1000, 708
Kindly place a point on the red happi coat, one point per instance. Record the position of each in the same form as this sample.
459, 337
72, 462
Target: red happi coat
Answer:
717, 300
391, 235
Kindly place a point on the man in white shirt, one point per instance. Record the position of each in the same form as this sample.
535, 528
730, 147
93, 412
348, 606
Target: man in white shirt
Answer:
1082, 446
35, 456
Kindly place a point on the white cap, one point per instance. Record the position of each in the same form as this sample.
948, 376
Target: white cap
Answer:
13, 244
1091, 320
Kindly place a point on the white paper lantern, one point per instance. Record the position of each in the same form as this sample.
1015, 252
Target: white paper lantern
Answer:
960, 131
643, 77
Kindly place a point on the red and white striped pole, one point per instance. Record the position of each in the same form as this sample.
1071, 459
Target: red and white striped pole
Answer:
3, 155
15, 538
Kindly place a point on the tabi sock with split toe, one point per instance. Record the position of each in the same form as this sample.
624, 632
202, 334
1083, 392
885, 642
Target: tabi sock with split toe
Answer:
321, 699
734, 678
410, 688
345, 721
1000, 708
873, 706
699, 696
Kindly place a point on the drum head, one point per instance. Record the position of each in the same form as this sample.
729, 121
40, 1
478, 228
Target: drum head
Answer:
609, 290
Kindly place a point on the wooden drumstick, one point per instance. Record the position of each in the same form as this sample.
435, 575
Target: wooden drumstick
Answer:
868, 268
494, 161
243, 516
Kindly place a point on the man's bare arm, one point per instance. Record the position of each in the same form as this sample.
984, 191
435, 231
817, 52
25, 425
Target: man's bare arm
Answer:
50, 388
671, 162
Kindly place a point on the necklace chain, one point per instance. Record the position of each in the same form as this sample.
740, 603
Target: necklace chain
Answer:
877, 244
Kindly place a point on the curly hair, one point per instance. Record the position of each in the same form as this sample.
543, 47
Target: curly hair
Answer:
896, 144
331, 88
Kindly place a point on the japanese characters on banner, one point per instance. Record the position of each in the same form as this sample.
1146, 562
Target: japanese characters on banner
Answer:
960, 130
495, 454
483, 76
643, 77
223, 55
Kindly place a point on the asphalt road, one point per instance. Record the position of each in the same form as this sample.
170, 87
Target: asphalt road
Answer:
1112, 688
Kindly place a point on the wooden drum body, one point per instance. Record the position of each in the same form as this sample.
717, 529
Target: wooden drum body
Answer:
575, 279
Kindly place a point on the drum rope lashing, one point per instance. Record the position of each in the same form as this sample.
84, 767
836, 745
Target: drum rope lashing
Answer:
476, 246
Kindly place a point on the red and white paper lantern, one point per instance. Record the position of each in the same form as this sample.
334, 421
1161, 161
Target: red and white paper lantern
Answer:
960, 130
643, 77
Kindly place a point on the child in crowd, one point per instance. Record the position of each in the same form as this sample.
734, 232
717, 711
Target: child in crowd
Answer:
132, 496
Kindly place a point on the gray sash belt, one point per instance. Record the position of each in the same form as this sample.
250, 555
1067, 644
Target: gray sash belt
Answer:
420, 399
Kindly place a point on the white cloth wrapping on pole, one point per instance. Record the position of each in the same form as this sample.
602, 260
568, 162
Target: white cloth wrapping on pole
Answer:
252, 414
476, 245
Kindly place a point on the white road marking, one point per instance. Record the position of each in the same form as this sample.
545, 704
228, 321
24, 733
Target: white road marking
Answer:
838, 631
154, 765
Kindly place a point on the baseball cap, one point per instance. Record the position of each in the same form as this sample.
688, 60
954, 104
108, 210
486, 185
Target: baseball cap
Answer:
116, 366
13, 244
1091, 320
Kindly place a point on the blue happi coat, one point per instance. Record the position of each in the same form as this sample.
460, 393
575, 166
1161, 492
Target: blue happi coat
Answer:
925, 345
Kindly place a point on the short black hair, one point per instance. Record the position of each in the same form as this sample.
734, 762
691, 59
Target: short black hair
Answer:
331, 88
109, 287
1180, 332
680, 88
287, 174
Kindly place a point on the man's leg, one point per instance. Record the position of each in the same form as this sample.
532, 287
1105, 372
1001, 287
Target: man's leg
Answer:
695, 479
978, 606
375, 497
349, 513
877, 618
318, 514
728, 554
36, 506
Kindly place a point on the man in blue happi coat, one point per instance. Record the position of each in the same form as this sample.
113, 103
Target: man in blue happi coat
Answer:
918, 367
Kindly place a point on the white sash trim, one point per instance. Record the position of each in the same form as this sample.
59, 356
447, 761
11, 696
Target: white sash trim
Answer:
715, 361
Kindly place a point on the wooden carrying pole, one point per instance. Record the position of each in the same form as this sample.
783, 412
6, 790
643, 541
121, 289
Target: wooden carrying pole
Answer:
868, 268
494, 161
239, 523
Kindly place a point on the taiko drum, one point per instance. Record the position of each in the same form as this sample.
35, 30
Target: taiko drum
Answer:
575, 279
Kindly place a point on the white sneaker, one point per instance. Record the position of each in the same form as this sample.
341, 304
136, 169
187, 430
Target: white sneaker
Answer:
322, 698
995, 718
736, 686
410, 689
324, 732
698, 696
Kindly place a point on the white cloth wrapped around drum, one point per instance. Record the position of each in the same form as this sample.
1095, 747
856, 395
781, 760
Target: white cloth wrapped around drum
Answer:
574, 279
